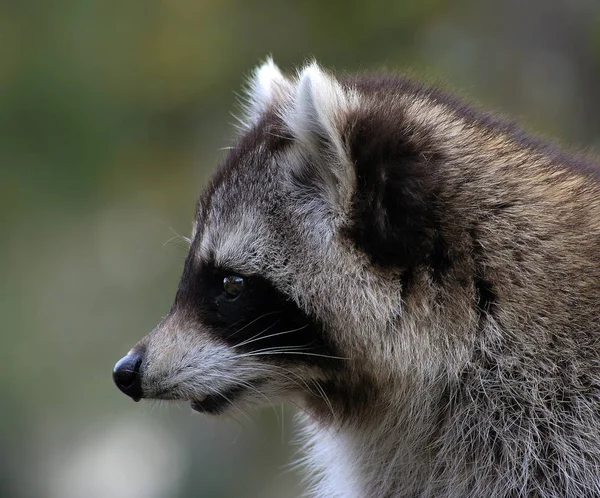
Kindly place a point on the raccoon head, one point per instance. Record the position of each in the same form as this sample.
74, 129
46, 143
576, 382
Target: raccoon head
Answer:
292, 288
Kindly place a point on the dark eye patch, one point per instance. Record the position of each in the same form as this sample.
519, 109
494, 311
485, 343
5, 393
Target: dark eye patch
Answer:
260, 320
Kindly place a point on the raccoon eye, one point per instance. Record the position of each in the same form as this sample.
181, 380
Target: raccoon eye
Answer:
233, 285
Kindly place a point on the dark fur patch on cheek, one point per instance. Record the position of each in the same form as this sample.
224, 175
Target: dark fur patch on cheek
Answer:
264, 323
260, 321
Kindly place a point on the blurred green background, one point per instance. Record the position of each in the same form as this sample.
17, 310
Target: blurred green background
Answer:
112, 114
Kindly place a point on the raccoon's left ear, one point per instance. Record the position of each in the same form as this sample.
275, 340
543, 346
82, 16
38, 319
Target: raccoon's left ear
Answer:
266, 87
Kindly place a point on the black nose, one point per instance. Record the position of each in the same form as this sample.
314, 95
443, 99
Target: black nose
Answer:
127, 377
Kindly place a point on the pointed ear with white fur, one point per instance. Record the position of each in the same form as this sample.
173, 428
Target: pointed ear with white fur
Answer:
266, 87
319, 109
321, 170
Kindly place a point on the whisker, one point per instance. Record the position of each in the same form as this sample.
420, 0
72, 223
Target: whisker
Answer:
325, 398
183, 237
238, 409
252, 388
177, 235
247, 385
279, 348
253, 321
171, 239
271, 370
296, 352
252, 339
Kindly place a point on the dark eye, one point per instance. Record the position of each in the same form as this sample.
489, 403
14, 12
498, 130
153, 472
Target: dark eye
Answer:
233, 285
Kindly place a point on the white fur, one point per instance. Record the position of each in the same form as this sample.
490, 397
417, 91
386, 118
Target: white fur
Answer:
331, 463
317, 116
266, 87
319, 108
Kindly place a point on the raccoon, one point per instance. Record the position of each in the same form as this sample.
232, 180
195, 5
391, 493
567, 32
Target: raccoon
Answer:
420, 278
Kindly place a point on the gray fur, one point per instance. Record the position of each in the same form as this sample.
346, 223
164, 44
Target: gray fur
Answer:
481, 378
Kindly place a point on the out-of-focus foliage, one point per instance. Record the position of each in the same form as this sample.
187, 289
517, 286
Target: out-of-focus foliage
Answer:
112, 114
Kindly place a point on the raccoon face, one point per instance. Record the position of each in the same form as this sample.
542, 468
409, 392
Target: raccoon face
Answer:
289, 290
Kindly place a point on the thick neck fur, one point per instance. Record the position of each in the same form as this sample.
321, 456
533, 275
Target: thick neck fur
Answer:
380, 450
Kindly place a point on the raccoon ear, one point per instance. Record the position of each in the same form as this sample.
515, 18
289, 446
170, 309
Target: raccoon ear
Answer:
319, 109
322, 171
266, 87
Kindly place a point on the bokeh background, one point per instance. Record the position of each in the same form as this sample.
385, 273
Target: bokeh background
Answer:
112, 114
